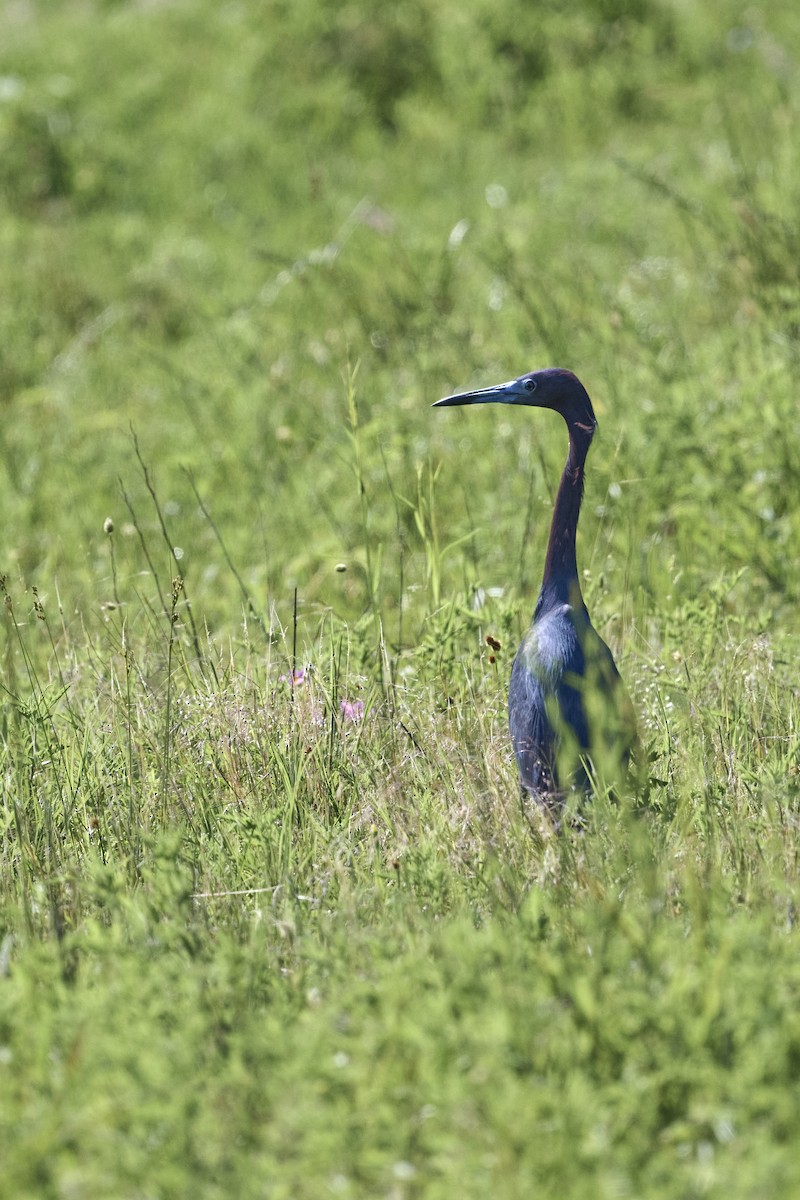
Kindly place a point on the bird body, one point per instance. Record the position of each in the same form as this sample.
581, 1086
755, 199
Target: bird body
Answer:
561, 666
566, 702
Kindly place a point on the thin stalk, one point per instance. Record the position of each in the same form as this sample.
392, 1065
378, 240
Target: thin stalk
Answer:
177, 588
372, 567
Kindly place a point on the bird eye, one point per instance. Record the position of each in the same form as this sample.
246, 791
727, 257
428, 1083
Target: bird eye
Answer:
530, 385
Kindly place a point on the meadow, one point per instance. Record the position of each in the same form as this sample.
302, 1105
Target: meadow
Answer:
274, 921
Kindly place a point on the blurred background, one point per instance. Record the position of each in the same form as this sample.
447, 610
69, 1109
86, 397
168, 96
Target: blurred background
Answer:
258, 240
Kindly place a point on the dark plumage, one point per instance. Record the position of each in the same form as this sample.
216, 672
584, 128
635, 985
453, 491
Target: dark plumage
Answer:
566, 702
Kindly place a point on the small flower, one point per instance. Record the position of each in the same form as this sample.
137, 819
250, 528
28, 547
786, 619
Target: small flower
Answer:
296, 678
352, 710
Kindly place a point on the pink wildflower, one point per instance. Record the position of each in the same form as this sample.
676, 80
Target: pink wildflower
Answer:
297, 677
352, 710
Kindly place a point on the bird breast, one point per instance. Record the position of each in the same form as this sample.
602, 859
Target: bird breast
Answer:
551, 648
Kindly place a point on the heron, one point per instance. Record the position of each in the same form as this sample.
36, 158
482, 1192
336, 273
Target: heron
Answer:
567, 706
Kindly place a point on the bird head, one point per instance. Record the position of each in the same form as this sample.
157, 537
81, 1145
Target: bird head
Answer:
552, 387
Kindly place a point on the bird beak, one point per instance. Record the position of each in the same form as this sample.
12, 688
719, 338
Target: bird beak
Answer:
501, 393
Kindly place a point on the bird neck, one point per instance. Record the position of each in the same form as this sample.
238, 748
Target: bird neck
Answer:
560, 583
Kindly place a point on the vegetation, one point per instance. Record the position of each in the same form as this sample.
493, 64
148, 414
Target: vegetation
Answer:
273, 919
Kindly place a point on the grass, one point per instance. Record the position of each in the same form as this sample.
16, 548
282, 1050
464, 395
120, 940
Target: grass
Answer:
273, 920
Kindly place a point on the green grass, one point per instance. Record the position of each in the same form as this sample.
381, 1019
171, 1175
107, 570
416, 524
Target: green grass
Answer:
268, 940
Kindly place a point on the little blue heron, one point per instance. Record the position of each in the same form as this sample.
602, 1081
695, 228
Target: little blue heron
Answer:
566, 701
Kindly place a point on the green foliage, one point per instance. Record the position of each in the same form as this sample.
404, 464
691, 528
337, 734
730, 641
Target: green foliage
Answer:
611, 1052
273, 918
